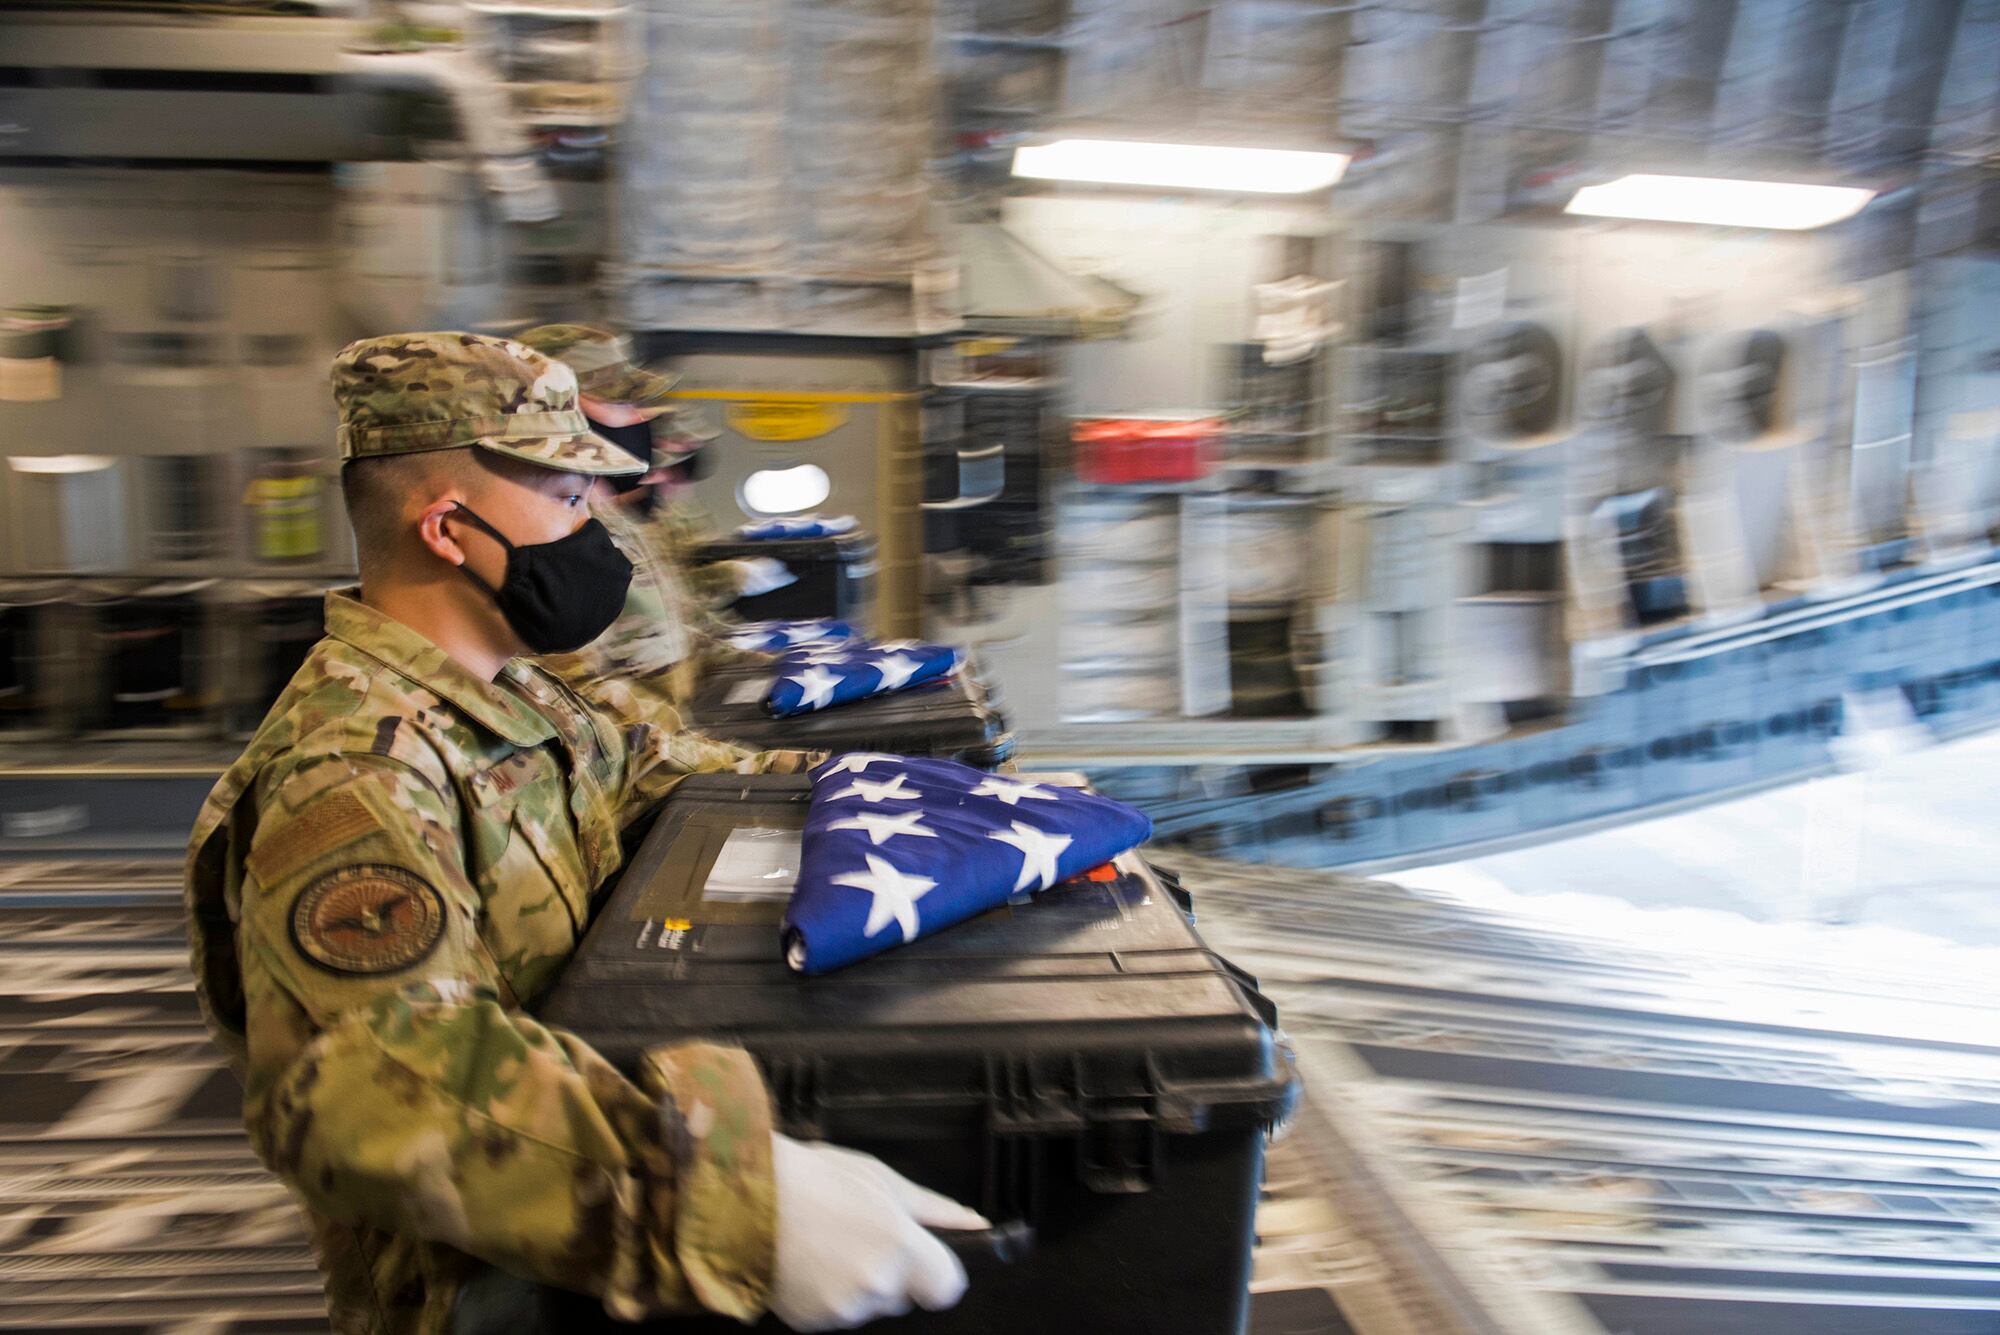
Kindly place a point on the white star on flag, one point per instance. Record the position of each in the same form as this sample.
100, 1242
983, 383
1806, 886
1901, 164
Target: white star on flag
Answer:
881, 828
818, 684
1012, 793
880, 792
854, 762
954, 853
895, 895
895, 669
1039, 851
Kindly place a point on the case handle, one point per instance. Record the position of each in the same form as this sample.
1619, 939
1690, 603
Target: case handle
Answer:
1005, 1243
982, 477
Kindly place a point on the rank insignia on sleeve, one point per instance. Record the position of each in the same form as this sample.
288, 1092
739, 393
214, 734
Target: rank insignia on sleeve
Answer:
324, 826
368, 919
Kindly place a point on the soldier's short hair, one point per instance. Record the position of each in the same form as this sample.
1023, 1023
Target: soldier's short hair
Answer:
378, 489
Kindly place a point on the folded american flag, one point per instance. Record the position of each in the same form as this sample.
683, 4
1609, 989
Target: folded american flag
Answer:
801, 526
772, 636
812, 679
896, 848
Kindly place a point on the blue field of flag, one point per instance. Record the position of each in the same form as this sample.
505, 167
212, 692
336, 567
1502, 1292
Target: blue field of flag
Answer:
812, 679
896, 848
772, 637
799, 526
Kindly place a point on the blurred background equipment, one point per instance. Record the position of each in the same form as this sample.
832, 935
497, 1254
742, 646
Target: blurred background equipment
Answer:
833, 578
1432, 427
826, 430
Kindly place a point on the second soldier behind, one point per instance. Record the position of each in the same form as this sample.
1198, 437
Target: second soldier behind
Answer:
669, 633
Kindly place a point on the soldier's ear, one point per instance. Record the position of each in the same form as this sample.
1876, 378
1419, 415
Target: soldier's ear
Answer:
436, 534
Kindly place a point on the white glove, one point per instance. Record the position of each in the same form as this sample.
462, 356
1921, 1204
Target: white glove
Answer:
851, 1240
761, 574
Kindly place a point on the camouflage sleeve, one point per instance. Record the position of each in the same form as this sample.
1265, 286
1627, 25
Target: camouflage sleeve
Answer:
658, 758
675, 534
395, 1085
712, 652
694, 610
718, 583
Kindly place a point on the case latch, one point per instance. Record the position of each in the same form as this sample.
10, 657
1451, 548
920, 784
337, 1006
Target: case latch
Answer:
1119, 1151
1177, 892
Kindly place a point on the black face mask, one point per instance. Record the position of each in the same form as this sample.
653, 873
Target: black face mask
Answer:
645, 502
633, 494
559, 596
691, 467
636, 440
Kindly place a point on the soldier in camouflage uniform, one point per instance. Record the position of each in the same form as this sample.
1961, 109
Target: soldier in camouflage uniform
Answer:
670, 632
405, 856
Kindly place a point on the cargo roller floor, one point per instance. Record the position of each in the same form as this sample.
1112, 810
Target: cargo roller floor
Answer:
1769, 1142
1533, 1125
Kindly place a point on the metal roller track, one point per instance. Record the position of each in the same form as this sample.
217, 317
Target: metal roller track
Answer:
129, 1196
1577, 1134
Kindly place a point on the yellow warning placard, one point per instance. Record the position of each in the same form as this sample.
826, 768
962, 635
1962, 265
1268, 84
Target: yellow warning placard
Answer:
770, 419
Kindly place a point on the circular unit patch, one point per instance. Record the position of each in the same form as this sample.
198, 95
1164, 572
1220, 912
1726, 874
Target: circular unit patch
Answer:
367, 920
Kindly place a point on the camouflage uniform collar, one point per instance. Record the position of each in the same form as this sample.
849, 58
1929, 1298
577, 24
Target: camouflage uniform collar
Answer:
409, 654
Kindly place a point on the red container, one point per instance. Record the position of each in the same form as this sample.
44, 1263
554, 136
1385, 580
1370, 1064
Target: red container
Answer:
1117, 450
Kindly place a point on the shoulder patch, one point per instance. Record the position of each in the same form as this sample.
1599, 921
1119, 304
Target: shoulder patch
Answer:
367, 919
324, 825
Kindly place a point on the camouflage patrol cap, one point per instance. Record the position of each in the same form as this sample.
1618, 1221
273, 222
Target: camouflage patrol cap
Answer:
602, 361
690, 428
410, 393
